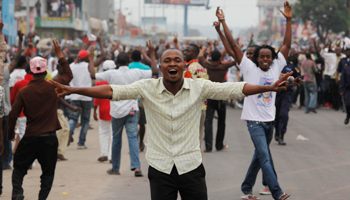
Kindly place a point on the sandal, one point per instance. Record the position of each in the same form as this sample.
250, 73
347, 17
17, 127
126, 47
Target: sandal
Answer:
284, 196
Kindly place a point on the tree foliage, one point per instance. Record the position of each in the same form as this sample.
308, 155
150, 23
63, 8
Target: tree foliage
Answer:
326, 15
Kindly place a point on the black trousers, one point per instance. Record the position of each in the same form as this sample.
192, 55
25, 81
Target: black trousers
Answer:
335, 95
191, 185
43, 148
283, 101
7, 148
220, 108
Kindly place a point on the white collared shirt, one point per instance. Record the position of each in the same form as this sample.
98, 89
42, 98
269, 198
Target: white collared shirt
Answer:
173, 120
123, 76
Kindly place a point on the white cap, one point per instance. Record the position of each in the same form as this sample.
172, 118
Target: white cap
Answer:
108, 64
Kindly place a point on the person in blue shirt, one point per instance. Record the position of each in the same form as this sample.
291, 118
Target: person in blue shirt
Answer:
136, 63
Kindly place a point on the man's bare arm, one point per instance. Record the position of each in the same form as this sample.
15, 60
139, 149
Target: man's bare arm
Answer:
99, 60
14, 62
153, 58
91, 63
227, 46
236, 48
100, 92
287, 42
255, 89
148, 60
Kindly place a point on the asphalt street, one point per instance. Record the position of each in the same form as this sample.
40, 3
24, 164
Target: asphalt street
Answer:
312, 169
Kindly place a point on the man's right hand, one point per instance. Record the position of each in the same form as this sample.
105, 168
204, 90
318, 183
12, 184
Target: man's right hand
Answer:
61, 90
95, 116
219, 13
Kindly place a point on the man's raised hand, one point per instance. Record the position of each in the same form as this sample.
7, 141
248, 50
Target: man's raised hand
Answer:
217, 26
150, 46
287, 11
20, 35
57, 48
175, 39
98, 39
219, 13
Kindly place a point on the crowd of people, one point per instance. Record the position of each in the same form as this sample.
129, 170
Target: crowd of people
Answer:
175, 88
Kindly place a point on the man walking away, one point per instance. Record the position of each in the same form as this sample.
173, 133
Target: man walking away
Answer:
39, 103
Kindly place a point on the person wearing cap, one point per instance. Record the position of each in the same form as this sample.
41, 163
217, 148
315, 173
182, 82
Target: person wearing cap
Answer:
104, 119
39, 103
81, 79
124, 112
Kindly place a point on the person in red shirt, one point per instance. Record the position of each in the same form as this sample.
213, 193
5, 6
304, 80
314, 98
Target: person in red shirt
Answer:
22, 120
105, 128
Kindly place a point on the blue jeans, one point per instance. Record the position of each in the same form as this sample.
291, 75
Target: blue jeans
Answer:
130, 122
310, 101
261, 135
85, 119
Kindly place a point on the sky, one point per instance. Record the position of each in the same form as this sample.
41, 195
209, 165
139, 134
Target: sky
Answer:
238, 13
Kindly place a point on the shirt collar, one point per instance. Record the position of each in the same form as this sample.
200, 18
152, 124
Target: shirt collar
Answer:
123, 67
162, 88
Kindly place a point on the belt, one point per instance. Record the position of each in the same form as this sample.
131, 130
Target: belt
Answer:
53, 133
265, 123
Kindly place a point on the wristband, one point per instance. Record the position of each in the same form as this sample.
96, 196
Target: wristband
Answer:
221, 19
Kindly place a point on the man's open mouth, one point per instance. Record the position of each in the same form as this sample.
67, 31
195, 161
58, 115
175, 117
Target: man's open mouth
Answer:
172, 71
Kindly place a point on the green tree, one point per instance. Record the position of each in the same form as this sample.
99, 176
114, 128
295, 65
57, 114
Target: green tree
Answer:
326, 15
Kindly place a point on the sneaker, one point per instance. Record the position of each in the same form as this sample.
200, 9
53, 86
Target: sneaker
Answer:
346, 121
82, 147
284, 196
102, 158
61, 157
249, 196
238, 105
265, 192
112, 172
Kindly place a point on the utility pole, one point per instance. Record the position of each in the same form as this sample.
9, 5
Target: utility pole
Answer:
27, 11
185, 20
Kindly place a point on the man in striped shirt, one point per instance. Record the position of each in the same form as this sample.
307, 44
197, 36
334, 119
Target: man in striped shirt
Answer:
173, 109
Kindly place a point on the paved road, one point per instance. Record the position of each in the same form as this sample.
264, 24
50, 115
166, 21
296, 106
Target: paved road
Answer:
313, 169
